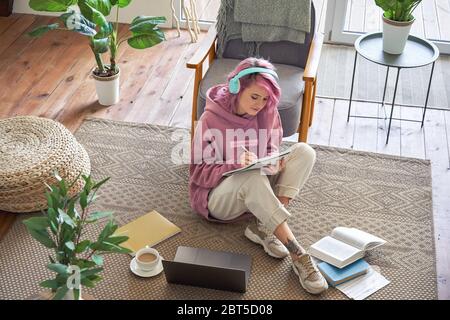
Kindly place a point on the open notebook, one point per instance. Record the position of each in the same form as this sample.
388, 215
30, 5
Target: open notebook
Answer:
344, 246
148, 230
260, 163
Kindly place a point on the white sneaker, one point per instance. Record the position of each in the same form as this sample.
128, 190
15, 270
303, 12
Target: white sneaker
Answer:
257, 233
310, 277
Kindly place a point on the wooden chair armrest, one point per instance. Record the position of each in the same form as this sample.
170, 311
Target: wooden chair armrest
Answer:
312, 64
204, 49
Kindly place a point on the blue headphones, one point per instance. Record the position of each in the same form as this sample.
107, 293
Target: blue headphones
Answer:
234, 84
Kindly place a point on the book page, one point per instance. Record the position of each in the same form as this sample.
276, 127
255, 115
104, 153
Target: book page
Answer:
335, 249
357, 238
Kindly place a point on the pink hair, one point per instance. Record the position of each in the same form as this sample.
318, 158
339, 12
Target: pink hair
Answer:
264, 80
268, 118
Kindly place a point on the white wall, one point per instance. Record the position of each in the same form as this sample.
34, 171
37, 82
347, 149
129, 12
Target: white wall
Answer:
126, 15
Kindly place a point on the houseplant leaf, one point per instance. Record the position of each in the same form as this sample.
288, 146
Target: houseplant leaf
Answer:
61, 292
144, 41
58, 268
105, 31
92, 14
120, 3
66, 218
37, 223
51, 5
99, 46
39, 31
76, 22
52, 284
103, 6
147, 19
70, 245
97, 259
82, 246
43, 237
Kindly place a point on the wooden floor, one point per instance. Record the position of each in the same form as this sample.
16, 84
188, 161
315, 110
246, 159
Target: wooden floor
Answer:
50, 77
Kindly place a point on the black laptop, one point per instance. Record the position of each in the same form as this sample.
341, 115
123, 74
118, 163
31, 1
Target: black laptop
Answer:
208, 268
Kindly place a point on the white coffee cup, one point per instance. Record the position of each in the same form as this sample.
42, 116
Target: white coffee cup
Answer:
147, 259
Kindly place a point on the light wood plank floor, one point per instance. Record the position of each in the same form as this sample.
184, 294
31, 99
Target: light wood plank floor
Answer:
50, 77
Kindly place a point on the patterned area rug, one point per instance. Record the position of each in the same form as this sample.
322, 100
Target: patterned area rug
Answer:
384, 195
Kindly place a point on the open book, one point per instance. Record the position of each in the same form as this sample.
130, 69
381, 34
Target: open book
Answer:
344, 246
261, 162
147, 230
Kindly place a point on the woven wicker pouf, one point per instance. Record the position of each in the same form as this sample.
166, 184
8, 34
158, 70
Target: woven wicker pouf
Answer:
32, 149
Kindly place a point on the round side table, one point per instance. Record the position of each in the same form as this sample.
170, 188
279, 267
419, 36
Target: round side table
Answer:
418, 53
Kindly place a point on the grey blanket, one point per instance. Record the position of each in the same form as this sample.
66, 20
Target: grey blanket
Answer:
257, 21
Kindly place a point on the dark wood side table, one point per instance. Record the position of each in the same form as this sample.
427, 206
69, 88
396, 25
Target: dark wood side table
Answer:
418, 53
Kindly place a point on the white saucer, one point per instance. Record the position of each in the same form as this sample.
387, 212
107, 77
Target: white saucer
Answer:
141, 273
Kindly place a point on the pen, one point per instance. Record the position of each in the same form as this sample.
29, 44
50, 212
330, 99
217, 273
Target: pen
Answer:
245, 149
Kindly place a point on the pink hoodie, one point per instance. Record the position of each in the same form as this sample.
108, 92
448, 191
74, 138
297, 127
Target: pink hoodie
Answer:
215, 151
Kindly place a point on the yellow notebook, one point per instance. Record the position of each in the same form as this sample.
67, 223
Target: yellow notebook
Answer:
148, 230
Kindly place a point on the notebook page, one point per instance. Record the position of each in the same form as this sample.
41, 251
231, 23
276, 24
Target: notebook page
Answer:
365, 285
357, 238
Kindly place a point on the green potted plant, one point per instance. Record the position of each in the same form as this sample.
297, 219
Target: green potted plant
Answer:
77, 261
397, 22
88, 17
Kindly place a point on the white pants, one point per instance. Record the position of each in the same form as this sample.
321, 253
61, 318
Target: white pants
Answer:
254, 192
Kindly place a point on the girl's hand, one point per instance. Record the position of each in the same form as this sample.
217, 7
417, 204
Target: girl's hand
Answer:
247, 158
274, 169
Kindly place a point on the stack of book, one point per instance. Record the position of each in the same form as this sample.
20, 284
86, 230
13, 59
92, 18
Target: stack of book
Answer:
342, 265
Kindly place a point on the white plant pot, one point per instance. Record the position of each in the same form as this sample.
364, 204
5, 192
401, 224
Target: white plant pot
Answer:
107, 89
395, 35
71, 296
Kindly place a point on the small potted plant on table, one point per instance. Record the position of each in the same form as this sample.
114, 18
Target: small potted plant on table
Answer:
397, 22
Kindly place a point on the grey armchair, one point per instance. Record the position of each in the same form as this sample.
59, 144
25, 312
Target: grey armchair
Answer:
296, 65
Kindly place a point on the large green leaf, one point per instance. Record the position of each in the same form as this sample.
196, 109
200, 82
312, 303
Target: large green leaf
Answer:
39, 31
92, 14
104, 6
51, 5
68, 220
82, 246
111, 247
58, 268
60, 292
37, 223
117, 239
70, 245
99, 184
43, 237
144, 41
148, 19
120, 3
52, 284
105, 31
97, 259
